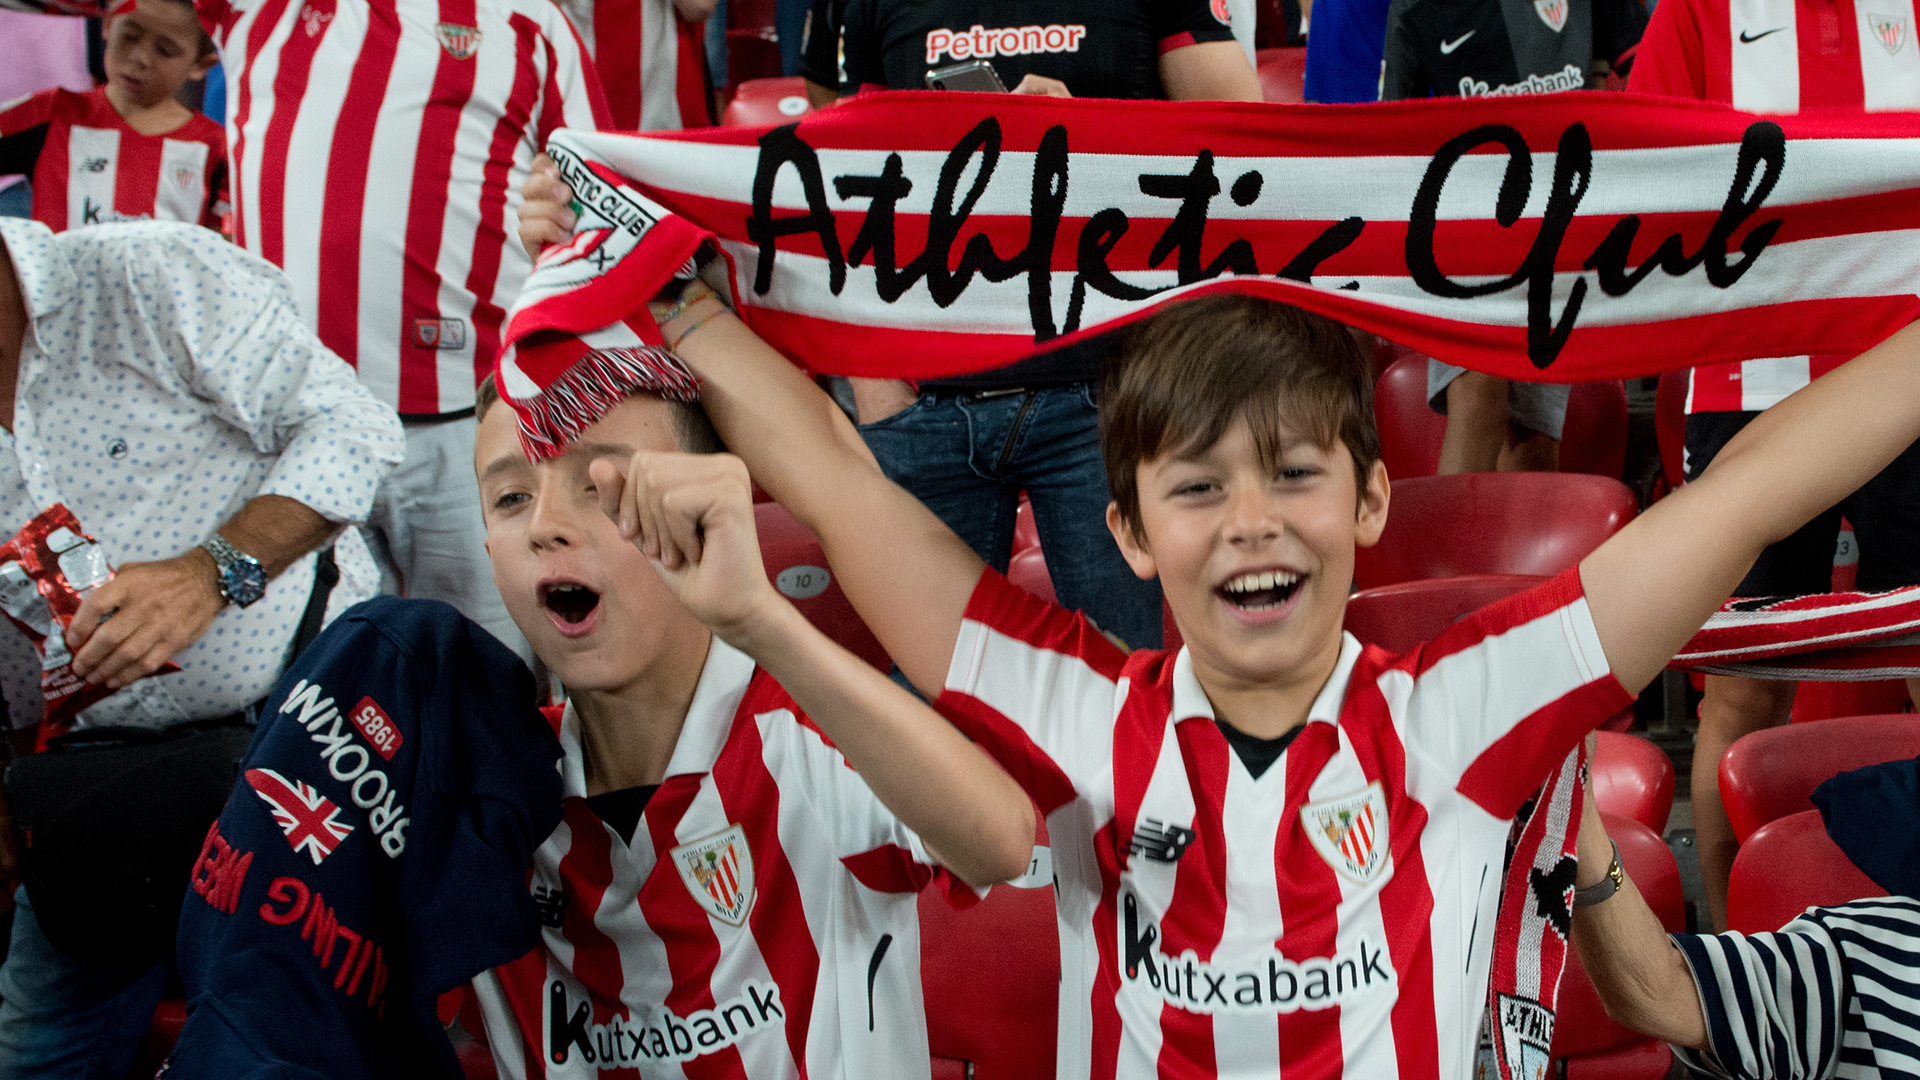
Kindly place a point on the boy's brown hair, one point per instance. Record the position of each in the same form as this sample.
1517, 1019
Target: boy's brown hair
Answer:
1179, 379
690, 423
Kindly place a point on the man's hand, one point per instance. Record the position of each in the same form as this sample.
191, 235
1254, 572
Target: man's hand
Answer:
692, 516
1042, 86
128, 627
546, 217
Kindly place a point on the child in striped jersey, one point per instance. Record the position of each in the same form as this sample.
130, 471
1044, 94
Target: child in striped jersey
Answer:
1277, 852
725, 896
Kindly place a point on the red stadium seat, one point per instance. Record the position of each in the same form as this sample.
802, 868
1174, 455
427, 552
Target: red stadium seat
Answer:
991, 975
798, 568
1025, 533
1593, 1044
1493, 523
162, 1034
1786, 867
1825, 700
1770, 774
1283, 75
1028, 569
1594, 440
1397, 617
1633, 778
763, 102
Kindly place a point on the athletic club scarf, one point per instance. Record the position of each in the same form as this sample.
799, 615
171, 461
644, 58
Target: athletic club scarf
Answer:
1830, 636
1564, 237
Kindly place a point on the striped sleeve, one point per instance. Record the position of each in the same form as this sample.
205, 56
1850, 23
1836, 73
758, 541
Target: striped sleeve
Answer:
1773, 1002
1037, 687
1501, 698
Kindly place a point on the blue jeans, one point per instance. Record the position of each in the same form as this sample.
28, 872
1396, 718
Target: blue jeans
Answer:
969, 457
66, 1017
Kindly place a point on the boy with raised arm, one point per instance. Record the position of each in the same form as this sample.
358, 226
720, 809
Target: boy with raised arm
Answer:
725, 896
1276, 851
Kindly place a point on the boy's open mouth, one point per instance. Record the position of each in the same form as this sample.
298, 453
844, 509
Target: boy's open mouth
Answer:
1261, 590
570, 603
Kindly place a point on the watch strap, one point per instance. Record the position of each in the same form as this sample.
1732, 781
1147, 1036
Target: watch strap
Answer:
1603, 890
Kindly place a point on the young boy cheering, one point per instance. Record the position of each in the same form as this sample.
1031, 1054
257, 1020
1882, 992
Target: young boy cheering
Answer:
1277, 851
127, 150
724, 896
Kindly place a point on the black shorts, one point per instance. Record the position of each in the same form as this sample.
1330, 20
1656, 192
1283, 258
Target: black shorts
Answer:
1885, 513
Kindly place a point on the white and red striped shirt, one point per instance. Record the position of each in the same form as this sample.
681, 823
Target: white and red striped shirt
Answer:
652, 63
89, 167
378, 150
1333, 917
761, 923
1778, 56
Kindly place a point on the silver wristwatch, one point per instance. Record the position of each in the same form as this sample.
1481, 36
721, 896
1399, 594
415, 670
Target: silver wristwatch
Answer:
242, 579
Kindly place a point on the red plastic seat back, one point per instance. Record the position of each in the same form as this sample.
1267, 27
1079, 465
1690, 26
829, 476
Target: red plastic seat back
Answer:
762, 102
1493, 523
1670, 425
1283, 74
1594, 438
1825, 700
1633, 778
991, 976
1410, 431
1582, 1026
1398, 617
1786, 867
1770, 774
1028, 569
798, 568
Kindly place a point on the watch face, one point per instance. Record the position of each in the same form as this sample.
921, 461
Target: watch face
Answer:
245, 581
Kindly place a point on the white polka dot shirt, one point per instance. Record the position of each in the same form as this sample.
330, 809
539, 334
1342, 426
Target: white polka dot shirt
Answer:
166, 378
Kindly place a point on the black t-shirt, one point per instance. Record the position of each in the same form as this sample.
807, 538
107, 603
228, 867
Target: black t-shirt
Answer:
1099, 48
622, 809
1471, 48
1256, 753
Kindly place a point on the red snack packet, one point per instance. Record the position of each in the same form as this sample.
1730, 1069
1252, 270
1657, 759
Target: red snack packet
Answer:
45, 571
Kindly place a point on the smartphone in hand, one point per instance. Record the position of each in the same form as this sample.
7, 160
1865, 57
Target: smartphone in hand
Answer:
975, 75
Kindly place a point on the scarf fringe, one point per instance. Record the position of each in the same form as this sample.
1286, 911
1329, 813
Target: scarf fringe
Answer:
552, 420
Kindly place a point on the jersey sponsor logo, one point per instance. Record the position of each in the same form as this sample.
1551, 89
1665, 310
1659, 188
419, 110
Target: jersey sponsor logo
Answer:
1266, 982
1553, 13
1571, 77
93, 213
1747, 38
1155, 839
980, 42
310, 821
444, 334
1889, 30
1350, 832
1222, 14
718, 871
659, 1035
349, 763
314, 19
461, 42
374, 723
1447, 47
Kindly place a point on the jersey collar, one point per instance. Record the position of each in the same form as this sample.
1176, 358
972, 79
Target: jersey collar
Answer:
1190, 701
716, 698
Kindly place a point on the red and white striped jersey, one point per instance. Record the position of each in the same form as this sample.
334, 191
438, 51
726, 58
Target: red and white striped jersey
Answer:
90, 167
1778, 56
761, 923
1333, 917
378, 151
652, 63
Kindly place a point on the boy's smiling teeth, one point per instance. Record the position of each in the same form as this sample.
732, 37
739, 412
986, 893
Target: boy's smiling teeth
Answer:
1260, 590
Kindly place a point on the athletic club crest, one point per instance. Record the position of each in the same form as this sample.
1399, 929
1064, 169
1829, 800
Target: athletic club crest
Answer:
1350, 832
314, 19
1552, 12
186, 176
461, 42
1889, 30
718, 871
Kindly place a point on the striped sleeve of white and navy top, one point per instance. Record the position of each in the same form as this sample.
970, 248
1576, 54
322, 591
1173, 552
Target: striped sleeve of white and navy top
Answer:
1834, 993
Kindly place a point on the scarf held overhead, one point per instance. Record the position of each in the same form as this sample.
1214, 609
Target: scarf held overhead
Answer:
1565, 237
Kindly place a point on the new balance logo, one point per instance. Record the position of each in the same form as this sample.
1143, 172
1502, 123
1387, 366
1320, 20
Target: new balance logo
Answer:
1155, 839
551, 903
95, 164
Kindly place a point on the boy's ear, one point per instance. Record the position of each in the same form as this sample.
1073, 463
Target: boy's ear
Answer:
1133, 548
1370, 517
204, 65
